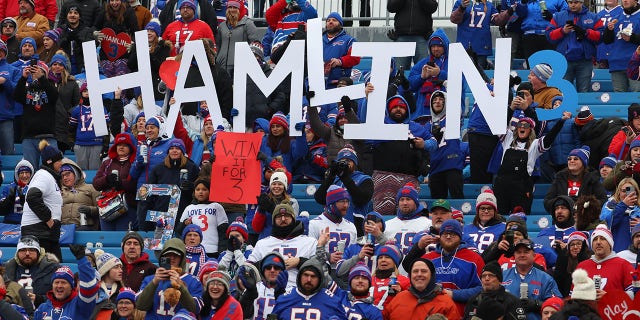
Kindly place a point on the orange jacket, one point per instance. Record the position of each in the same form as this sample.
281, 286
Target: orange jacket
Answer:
405, 303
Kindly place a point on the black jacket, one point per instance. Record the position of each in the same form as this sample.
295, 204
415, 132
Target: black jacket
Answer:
39, 106
71, 42
90, 10
205, 13
413, 17
511, 304
590, 186
68, 97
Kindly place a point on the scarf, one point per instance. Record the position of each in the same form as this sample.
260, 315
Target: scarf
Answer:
426, 295
55, 77
199, 249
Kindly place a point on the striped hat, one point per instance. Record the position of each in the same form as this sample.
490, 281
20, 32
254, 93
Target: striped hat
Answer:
336, 193
390, 250
360, 269
602, 230
280, 119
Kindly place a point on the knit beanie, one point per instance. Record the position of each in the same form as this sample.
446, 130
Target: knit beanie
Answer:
284, 207
635, 230
30, 41
192, 228
257, 49
126, 293
66, 274
234, 4
360, 269
494, 268
584, 116
583, 287
542, 71
206, 268
32, 3
279, 177
610, 161
408, 190
635, 143
62, 60
272, 259
220, 276
49, 154
105, 261
395, 102
3, 47
281, 119
28, 242
336, 16
240, 227
602, 230
583, 154
154, 26
528, 120
563, 201
336, 193
453, 226
390, 250
132, 235
520, 226
188, 3
177, 143
53, 34
553, 302
487, 198
577, 235
347, 153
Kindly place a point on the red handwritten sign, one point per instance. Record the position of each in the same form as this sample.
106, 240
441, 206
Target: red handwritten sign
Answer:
236, 174
616, 304
113, 44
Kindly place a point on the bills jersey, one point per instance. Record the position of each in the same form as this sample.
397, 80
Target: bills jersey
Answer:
403, 231
162, 310
82, 117
345, 230
208, 217
357, 309
320, 306
484, 236
380, 290
179, 32
263, 305
475, 29
300, 246
550, 233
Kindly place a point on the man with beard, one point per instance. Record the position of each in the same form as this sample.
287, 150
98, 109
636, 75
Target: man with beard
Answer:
187, 28
236, 29
410, 218
309, 299
614, 272
135, 262
424, 297
357, 302
563, 223
338, 60
66, 301
396, 163
30, 23
31, 267
74, 33
288, 239
458, 268
492, 289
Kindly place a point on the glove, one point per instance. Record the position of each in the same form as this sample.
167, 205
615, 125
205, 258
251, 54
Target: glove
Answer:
235, 244
523, 1
334, 170
310, 94
392, 35
230, 244
580, 32
248, 277
186, 185
128, 46
531, 305
217, 5
466, 172
139, 161
547, 15
112, 178
265, 204
77, 250
281, 281
205, 112
84, 210
300, 126
346, 103
234, 112
261, 156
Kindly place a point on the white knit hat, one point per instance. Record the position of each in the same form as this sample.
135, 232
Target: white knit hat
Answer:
105, 261
487, 198
279, 177
602, 230
583, 287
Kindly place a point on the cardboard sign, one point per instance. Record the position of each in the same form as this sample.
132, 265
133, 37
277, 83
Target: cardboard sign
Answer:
616, 304
236, 174
169, 73
167, 219
113, 44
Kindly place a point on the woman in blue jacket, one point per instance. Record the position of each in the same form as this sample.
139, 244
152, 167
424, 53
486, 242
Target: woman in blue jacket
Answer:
622, 212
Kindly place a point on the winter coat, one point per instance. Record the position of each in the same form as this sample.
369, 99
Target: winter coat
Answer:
81, 194
227, 37
333, 137
11, 74
338, 47
68, 97
128, 184
259, 106
314, 163
413, 17
284, 22
90, 10
156, 154
405, 305
133, 273
12, 196
32, 26
566, 141
590, 185
41, 280
569, 45
510, 303
597, 134
71, 42
533, 22
617, 215
39, 107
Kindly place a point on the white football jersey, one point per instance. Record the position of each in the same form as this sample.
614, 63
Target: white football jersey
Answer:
208, 217
403, 231
301, 246
344, 230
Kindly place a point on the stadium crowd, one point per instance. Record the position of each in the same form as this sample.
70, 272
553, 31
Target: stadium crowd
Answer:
376, 251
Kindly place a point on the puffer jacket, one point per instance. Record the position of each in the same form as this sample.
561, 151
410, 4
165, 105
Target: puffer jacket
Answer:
572, 48
81, 194
227, 37
413, 17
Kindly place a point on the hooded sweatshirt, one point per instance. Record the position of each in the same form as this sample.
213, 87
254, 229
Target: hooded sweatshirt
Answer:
12, 196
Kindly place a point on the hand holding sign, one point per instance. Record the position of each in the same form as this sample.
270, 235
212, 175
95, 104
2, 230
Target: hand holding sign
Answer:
114, 45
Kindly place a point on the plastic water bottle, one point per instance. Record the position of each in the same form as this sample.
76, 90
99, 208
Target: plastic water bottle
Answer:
184, 175
143, 152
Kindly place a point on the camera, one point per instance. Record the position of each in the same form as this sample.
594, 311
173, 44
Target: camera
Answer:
165, 262
342, 165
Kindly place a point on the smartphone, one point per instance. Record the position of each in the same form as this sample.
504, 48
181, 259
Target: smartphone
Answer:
165, 262
34, 62
509, 236
520, 94
569, 22
559, 235
431, 64
626, 130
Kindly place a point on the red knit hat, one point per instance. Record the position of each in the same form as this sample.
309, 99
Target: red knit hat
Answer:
281, 119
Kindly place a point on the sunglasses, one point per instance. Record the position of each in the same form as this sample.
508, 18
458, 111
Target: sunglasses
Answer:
525, 125
272, 267
8, 25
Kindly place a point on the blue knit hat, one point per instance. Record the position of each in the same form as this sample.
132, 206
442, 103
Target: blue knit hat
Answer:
192, 228
360, 269
272, 259
239, 227
610, 161
176, 142
31, 41
126, 293
583, 154
348, 153
390, 250
153, 121
335, 194
49, 154
408, 190
280, 119
62, 60
542, 71
189, 3
53, 34
336, 16
635, 143
451, 225
64, 273
154, 26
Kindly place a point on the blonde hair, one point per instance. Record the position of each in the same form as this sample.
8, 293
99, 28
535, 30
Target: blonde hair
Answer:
631, 181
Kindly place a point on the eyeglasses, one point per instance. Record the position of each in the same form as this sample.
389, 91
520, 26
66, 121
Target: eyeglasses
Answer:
283, 216
485, 209
523, 124
216, 284
448, 235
